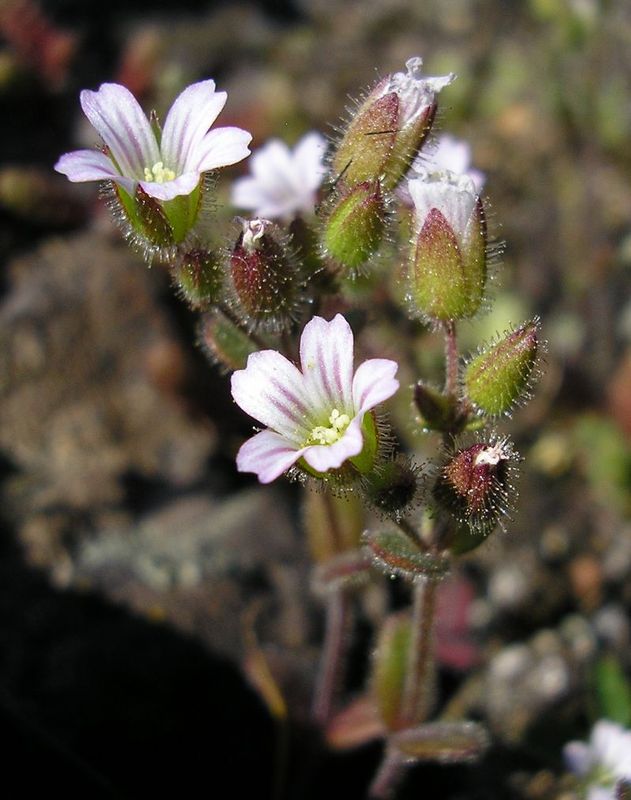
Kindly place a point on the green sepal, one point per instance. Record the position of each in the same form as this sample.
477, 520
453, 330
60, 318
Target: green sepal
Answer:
224, 343
356, 225
199, 274
365, 461
368, 141
182, 212
499, 376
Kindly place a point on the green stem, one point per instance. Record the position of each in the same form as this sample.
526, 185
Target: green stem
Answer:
451, 358
420, 657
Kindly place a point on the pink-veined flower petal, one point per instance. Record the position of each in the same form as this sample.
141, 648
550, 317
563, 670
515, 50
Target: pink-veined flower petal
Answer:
271, 389
86, 165
182, 185
187, 122
332, 456
221, 148
326, 358
123, 126
268, 455
373, 383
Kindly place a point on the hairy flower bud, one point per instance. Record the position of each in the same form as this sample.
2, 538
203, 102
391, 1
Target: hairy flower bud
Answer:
389, 127
265, 276
447, 270
224, 343
393, 487
500, 374
474, 484
199, 277
356, 225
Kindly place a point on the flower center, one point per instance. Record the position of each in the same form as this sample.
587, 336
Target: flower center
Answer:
159, 173
323, 435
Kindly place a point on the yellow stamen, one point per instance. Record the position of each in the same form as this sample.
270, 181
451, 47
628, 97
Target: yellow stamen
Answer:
159, 173
323, 435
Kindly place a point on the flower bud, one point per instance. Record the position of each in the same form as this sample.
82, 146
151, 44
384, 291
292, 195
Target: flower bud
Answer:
356, 225
393, 487
389, 127
199, 277
264, 276
474, 485
447, 271
224, 343
439, 412
500, 374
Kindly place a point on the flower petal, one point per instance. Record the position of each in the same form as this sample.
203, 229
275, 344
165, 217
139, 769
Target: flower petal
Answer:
271, 389
326, 357
123, 126
373, 383
578, 757
268, 455
222, 147
86, 165
182, 185
308, 155
188, 120
332, 456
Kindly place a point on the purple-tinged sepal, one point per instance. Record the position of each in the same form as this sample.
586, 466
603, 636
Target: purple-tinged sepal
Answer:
266, 276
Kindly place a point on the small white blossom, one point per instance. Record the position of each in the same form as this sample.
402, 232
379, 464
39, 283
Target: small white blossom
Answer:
283, 182
164, 168
416, 92
454, 196
315, 412
603, 761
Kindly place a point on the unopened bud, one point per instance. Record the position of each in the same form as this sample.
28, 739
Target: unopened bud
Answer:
224, 343
264, 275
438, 411
389, 127
500, 375
474, 485
393, 487
356, 225
199, 277
447, 272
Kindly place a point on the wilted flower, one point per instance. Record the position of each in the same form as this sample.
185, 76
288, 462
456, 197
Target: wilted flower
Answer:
283, 182
317, 413
602, 762
450, 154
390, 126
165, 166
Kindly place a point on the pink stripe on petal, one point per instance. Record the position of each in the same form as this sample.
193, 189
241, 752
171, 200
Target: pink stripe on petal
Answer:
326, 356
222, 147
250, 390
86, 165
123, 126
188, 120
267, 455
331, 456
373, 383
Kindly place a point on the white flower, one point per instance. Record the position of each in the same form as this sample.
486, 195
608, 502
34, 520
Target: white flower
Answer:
455, 196
284, 182
166, 168
603, 761
315, 413
450, 155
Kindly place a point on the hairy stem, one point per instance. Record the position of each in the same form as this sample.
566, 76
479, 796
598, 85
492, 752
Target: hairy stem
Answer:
451, 358
330, 670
